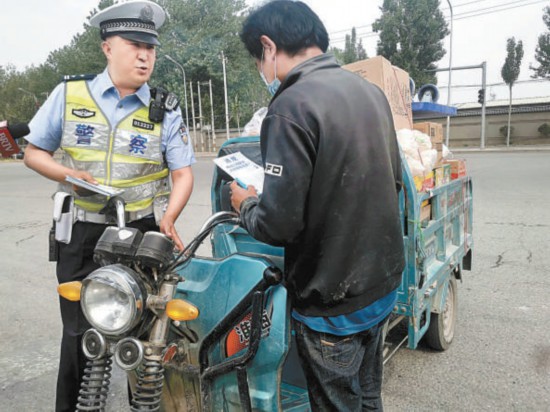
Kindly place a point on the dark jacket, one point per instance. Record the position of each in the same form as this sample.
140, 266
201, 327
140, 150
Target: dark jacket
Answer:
333, 173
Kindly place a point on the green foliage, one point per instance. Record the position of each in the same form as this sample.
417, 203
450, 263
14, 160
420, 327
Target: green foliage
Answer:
542, 52
510, 72
544, 129
15, 105
195, 35
504, 131
411, 36
512, 64
353, 50
82, 55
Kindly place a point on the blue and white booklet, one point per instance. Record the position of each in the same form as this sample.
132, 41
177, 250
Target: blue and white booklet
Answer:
242, 169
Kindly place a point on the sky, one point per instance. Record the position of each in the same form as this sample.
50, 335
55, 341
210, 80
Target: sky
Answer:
31, 29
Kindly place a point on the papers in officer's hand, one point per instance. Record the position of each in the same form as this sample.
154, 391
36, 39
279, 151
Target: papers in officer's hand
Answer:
100, 189
242, 169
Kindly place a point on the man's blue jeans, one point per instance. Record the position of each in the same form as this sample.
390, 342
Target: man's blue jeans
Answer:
343, 373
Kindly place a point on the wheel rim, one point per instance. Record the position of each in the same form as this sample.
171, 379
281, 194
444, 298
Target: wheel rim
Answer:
449, 314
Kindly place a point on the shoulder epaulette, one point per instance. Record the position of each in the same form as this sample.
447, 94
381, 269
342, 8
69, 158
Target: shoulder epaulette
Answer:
73, 77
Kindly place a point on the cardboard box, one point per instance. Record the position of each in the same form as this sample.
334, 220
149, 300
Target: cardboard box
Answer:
418, 182
393, 81
458, 168
434, 130
425, 182
425, 214
429, 182
442, 175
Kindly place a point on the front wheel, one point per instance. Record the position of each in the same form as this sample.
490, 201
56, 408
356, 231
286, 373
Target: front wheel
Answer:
441, 331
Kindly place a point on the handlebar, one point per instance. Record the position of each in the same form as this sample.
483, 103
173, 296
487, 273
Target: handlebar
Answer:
214, 220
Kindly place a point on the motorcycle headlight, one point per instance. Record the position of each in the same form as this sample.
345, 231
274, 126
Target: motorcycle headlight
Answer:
113, 298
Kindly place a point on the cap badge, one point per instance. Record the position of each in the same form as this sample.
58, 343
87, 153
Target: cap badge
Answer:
146, 13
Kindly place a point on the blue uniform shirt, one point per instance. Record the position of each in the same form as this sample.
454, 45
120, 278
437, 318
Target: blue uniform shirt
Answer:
47, 125
355, 322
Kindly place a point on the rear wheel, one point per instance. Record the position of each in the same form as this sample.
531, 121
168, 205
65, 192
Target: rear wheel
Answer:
441, 331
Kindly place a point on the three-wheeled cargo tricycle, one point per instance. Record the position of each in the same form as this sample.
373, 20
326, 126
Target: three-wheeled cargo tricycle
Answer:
214, 333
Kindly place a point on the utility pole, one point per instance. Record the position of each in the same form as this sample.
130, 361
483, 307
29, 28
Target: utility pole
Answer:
184, 88
195, 141
200, 115
212, 112
483, 67
448, 130
483, 86
225, 95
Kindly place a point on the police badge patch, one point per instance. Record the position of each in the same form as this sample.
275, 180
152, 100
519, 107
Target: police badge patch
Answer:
83, 113
184, 134
143, 125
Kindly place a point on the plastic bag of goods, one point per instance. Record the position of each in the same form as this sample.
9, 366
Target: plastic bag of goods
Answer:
254, 126
408, 144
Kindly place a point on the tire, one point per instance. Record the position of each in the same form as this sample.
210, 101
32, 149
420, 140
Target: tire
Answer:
441, 331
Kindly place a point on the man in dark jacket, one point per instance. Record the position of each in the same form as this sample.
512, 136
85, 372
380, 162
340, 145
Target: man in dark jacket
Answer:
330, 197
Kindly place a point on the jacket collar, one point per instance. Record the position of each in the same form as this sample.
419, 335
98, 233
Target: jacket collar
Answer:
323, 61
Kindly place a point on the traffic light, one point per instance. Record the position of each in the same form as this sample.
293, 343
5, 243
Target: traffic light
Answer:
481, 96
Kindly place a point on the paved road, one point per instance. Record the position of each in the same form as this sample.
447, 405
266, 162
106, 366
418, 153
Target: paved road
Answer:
500, 359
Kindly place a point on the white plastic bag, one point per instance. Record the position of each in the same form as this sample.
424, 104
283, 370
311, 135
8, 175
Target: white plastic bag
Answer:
445, 152
429, 159
408, 144
423, 140
415, 166
254, 126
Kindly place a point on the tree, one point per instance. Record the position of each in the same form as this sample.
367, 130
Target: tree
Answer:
510, 73
353, 50
411, 36
194, 35
542, 52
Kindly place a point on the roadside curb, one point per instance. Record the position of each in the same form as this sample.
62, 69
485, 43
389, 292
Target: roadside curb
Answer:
501, 149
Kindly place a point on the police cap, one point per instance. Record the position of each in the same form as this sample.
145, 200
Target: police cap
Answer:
133, 20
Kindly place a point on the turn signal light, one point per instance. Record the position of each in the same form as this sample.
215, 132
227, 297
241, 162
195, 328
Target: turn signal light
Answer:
70, 290
178, 309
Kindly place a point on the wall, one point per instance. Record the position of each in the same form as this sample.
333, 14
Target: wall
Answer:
466, 131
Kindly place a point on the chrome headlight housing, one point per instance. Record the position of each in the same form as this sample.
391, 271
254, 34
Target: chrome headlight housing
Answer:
113, 299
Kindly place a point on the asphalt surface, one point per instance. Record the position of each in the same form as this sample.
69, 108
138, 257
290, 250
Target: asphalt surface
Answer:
499, 360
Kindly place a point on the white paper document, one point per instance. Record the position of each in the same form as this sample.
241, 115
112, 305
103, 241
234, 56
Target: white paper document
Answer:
242, 169
100, 189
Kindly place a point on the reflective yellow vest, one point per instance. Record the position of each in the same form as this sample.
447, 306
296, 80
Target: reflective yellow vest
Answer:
127, 155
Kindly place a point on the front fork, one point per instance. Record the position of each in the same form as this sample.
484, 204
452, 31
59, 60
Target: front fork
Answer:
130, 354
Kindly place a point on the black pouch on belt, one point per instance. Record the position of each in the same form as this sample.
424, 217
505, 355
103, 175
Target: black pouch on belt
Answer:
53, 245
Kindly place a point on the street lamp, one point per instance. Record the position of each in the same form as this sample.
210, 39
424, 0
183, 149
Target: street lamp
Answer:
184, 87
450, 75
31, 94
225, 96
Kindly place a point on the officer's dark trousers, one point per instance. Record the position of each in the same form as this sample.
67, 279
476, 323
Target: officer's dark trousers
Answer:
75, 262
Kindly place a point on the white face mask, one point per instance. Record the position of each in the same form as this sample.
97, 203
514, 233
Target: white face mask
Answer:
274, 85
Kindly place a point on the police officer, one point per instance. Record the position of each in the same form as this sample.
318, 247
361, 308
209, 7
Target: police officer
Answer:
107, 134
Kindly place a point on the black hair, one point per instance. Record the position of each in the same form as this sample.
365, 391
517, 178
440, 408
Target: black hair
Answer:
292, 26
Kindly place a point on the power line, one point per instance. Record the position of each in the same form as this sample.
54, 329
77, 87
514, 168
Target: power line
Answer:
460, 16
477, 86
456, 6
370, 25
495, 9
346, 30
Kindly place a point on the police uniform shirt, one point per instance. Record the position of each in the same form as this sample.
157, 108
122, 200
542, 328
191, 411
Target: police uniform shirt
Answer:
47, 125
